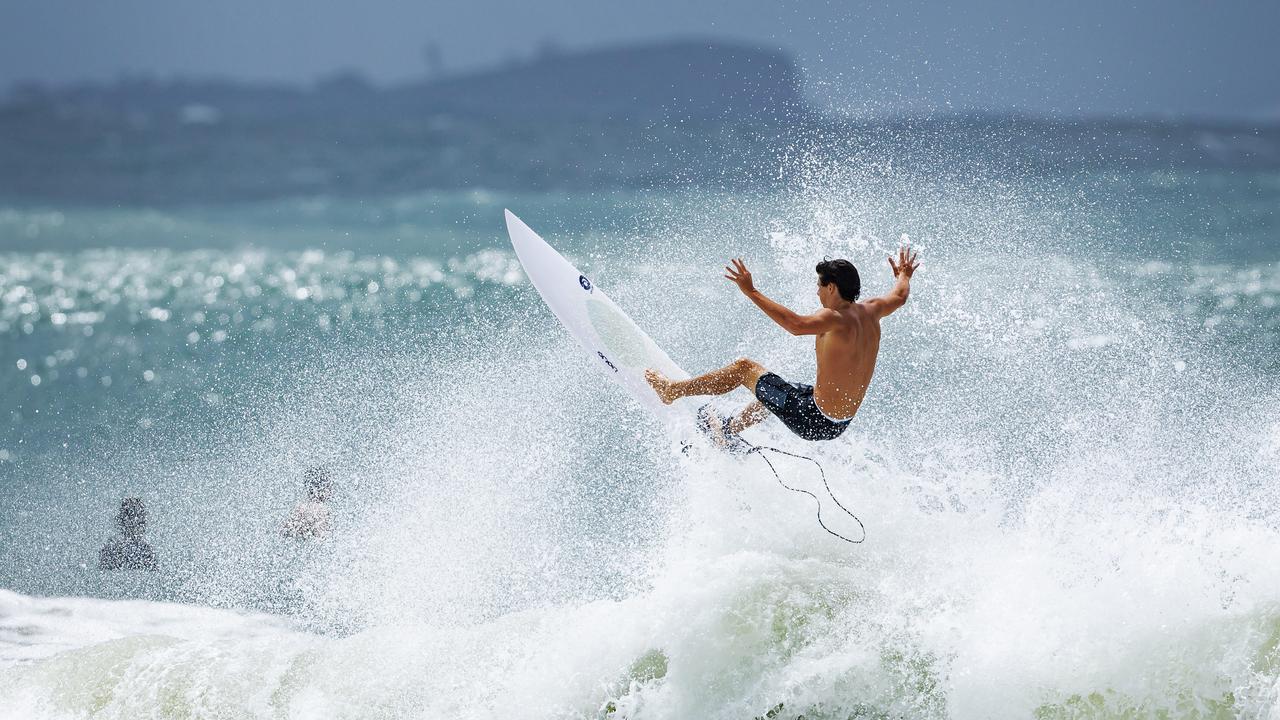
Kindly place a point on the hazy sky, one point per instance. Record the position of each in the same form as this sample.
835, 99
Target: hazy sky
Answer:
1072, 56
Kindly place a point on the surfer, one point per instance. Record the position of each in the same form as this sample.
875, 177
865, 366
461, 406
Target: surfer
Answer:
129, 550
312, 519
847, 342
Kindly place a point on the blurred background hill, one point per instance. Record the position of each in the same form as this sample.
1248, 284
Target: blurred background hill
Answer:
675, 113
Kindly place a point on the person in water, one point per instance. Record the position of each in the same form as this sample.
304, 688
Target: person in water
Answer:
312, 519
128, 550
847, 342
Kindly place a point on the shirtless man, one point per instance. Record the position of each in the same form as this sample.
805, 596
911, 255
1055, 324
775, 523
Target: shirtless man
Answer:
129, 550
848, 340
312, 519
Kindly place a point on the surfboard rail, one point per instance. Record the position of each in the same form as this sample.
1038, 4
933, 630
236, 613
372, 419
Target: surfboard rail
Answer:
620, 347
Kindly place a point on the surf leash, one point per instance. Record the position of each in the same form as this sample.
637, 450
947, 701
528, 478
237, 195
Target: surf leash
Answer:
734, 444
759, 450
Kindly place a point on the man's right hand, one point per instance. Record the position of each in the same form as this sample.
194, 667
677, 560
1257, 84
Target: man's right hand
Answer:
741, 276
906, 262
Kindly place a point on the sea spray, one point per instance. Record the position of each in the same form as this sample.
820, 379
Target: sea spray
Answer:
1065, 463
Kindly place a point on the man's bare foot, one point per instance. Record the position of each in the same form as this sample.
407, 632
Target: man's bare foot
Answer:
661, 385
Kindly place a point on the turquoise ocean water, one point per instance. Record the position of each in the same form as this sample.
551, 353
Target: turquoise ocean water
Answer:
1067, 463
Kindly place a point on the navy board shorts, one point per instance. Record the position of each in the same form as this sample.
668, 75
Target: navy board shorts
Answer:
793, 404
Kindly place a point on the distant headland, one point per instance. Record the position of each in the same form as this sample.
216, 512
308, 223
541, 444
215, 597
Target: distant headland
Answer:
684, 79
666, 115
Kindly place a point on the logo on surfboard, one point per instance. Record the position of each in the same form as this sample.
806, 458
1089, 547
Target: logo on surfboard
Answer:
606, 361
584, 282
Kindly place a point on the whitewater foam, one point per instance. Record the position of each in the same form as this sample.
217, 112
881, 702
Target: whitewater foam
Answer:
1066, 470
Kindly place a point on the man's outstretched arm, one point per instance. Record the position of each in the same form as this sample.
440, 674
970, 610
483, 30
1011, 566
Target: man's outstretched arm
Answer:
897, 297
790, 320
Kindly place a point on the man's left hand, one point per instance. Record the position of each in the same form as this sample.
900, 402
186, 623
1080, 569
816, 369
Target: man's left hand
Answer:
740, 275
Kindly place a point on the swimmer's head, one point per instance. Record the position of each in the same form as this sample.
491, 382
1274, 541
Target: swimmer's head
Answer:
319, 484
843, 275
132, 517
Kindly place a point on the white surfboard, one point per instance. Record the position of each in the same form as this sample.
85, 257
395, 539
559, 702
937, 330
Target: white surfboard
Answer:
622, 350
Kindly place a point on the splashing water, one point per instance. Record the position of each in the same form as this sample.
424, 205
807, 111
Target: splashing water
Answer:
1066, 465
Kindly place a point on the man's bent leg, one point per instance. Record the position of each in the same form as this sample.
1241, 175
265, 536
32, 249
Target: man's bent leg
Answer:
741, 372
750, 415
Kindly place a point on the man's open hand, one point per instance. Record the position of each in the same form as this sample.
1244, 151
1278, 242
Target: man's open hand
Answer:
906, 262
740, 275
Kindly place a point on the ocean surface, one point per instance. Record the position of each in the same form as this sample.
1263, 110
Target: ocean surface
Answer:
1068, 464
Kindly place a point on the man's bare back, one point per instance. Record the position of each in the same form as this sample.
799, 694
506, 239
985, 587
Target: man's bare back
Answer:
846, 361
847, 343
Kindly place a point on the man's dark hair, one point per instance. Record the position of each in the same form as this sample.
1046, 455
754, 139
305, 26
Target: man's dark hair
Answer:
133, 516
319, 483
843, 274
